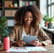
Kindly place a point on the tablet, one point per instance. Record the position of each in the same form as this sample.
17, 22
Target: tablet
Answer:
28, 39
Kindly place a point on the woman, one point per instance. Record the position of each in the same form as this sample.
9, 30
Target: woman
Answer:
27, 22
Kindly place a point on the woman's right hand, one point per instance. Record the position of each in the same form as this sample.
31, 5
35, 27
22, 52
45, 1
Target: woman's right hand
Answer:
19, 43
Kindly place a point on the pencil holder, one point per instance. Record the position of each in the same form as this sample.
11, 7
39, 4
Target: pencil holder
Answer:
6, 43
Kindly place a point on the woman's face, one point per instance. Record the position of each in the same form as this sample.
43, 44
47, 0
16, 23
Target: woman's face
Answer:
28, 18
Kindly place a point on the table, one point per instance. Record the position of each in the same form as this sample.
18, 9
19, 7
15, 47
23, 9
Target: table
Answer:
50, 50
50, 30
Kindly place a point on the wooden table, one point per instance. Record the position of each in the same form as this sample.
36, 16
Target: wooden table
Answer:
50, 50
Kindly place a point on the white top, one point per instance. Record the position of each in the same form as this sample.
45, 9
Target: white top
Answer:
24, 33
27, 38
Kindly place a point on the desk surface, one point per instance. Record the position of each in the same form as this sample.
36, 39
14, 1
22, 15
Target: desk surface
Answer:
50, 50
49, 30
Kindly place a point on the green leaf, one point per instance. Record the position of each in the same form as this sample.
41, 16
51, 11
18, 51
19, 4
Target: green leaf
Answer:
3, 27
48, 19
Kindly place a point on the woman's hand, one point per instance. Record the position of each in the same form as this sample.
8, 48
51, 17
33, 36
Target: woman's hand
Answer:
36, 43
19, 43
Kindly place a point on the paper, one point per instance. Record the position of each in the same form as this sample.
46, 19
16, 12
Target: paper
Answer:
17, 49
26, 49
29, 38
36, 48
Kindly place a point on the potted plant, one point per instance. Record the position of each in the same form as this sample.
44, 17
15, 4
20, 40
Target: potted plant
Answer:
45, 18
4, 31
48, 21
3, 27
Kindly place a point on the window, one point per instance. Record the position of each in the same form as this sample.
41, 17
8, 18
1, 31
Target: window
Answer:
52, 1
50, 8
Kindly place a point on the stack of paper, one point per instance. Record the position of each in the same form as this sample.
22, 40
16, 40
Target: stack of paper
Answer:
26, 49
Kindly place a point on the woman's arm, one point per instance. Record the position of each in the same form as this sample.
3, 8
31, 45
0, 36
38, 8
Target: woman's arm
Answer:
45, 38
12, 35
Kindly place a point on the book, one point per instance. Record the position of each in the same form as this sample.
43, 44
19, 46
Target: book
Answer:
20, 3
10, 23
10, 13
23, 3
26, 3
32, 2
7, 3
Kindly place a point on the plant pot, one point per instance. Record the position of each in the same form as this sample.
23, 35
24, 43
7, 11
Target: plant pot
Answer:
49, 25
6, 43
46, 24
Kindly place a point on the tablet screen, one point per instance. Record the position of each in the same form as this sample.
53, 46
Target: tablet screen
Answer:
28, 39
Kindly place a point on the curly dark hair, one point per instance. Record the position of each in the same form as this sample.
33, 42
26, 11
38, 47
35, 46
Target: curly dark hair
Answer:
19, 16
